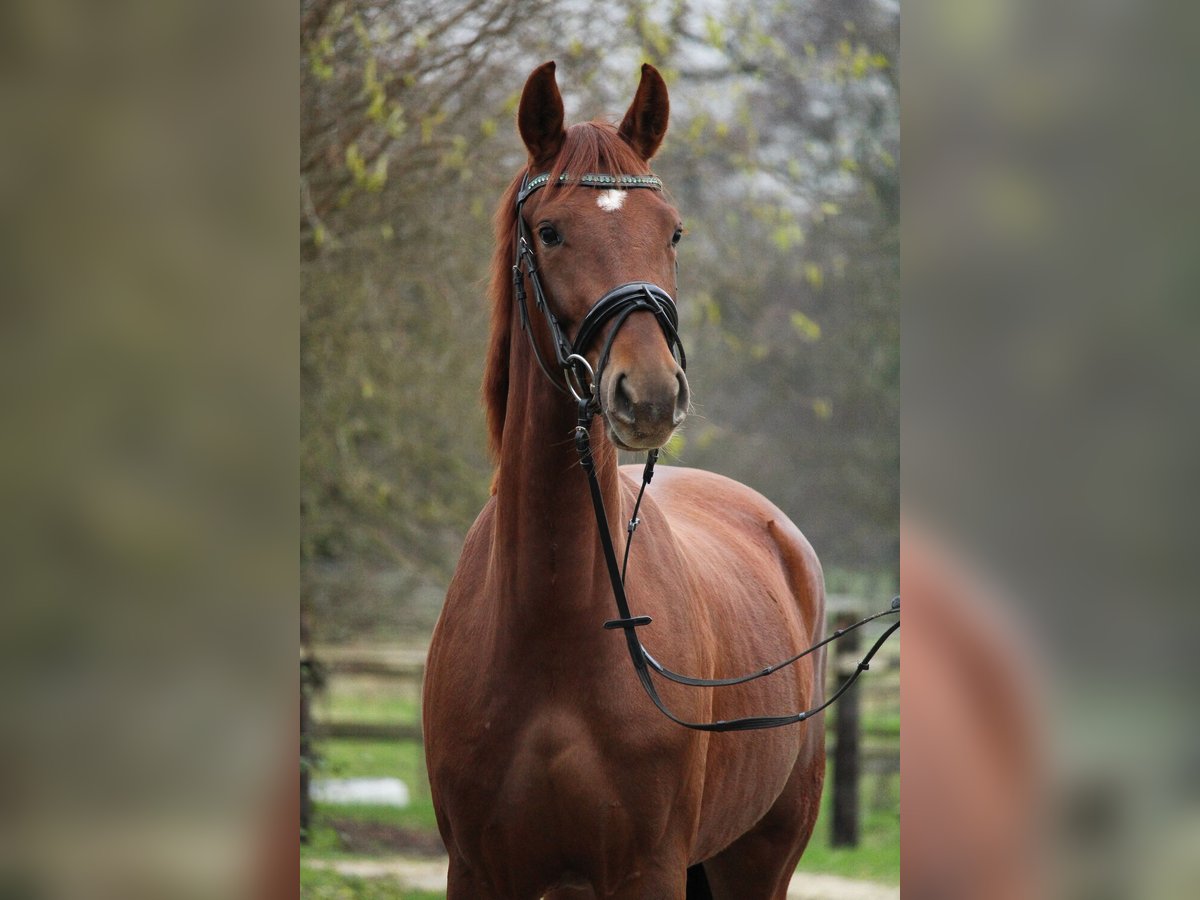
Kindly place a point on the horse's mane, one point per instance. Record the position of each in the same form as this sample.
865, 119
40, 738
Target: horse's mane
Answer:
588, 147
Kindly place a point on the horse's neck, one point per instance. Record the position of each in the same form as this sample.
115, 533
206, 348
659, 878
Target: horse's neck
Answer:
546, 552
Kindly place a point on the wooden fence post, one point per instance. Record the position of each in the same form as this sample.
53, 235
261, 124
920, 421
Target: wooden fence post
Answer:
312, 679
846, 761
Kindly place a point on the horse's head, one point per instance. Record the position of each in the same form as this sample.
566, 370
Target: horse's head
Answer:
588, 240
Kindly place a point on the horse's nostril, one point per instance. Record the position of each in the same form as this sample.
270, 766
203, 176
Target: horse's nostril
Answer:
682, 399
622, 402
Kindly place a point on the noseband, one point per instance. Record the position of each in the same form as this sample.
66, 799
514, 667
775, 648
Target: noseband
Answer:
619, 303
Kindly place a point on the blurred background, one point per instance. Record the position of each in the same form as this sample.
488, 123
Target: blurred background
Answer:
149, 461
783, 158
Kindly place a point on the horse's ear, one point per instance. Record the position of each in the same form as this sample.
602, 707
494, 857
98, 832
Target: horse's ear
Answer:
645, 123
540, 117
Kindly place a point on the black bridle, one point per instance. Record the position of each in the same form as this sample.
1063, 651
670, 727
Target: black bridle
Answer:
583, 385
619, 303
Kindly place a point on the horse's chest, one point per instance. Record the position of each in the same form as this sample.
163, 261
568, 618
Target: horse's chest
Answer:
549, 787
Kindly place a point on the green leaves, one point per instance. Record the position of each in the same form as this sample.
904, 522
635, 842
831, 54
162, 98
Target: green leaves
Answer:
372, 179
714, 31
805, 327
320, 58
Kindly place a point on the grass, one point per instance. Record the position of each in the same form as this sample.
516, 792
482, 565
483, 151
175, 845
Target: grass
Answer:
323, 884
877, 856
352, 759
366, 698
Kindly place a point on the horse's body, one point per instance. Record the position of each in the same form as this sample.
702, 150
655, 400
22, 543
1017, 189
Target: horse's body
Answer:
552, 772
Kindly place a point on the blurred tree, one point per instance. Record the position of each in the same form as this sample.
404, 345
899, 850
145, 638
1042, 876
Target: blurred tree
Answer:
401, 104
789, 178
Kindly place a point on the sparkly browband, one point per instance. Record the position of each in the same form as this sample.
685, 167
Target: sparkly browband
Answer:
597, 181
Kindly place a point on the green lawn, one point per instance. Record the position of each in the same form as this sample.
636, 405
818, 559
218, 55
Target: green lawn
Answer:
350, 759
326, 885
877, 856
367, 699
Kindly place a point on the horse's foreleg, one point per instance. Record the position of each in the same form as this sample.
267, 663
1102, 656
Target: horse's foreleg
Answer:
464, 884
759, 865
659, 880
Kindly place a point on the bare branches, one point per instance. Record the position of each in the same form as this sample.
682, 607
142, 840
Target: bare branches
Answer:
385, 85
313, 15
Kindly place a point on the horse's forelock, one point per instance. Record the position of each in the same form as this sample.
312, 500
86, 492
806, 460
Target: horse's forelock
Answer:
595, 148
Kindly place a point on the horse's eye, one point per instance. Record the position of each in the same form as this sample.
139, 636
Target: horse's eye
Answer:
677, 236
549, 236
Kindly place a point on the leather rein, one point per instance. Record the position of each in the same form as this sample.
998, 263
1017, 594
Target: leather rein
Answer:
582, 384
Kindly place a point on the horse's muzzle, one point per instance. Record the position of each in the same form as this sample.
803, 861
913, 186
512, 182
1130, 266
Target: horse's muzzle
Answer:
642, 408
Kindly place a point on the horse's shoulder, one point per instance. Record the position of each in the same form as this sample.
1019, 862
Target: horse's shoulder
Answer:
682, 489
681, 482
484, 522
707, 508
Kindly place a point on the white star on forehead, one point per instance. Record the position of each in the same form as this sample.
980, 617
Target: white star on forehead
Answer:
610, 201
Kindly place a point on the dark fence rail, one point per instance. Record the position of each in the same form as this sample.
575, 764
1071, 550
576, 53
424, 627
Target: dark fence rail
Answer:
368, 731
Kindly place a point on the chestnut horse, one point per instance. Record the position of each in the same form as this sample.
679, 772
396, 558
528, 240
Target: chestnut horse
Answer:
551, 771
